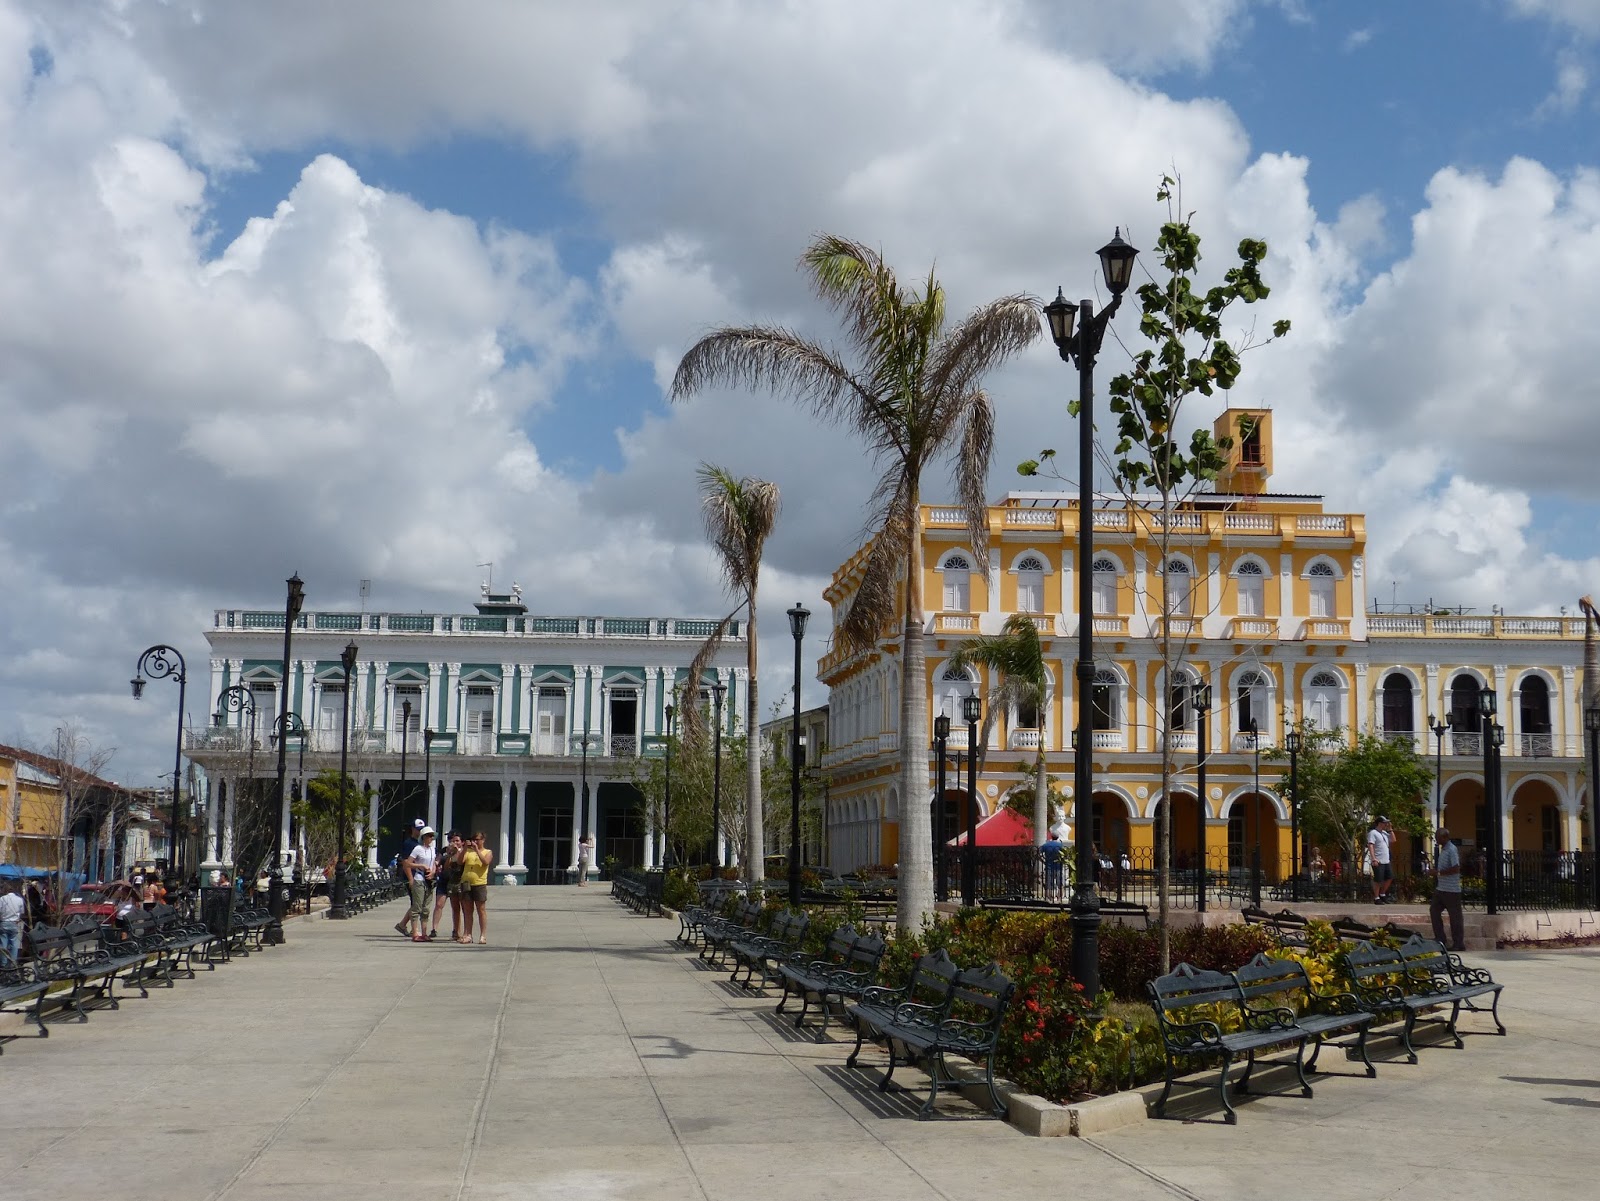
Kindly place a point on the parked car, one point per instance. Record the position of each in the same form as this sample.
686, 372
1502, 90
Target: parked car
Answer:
101, 901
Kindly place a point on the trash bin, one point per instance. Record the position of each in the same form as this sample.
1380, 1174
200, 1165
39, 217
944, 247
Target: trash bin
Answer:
216, 913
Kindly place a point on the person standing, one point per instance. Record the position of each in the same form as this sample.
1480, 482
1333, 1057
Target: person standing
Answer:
421, 868
448, 886
1380, 840
1447, 891
407, 845
585, 858
476, 860
1054, 853
12, 909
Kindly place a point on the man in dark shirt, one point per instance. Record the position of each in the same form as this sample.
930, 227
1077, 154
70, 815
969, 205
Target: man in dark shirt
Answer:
407, 845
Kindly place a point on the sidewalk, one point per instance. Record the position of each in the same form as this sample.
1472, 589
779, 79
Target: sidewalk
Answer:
583, 1055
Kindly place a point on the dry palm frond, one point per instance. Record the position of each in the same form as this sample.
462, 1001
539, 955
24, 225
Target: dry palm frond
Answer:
693, 723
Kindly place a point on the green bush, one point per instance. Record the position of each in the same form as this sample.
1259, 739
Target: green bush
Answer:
1130, 958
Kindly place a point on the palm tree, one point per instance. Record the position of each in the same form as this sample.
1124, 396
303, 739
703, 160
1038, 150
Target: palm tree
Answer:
913, 396
738, 515
1016, 653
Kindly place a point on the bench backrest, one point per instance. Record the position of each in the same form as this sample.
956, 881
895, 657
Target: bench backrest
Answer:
83, 934
51, 943
933, 977
979, 997
791, 927
164, 916
1265, 976
1368, 960
1187, 986
868, 952
137, 923
840, 943
1424, 956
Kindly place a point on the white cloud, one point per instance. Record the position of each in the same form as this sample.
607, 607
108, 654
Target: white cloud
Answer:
1579, 16
1572, 83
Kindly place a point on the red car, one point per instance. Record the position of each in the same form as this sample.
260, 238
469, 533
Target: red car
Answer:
100, 901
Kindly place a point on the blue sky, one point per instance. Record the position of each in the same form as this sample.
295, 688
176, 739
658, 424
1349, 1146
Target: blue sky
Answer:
502, 222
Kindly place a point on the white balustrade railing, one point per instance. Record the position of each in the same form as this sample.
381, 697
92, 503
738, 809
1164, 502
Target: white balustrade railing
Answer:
1537, 746
1024, 740
1107, 740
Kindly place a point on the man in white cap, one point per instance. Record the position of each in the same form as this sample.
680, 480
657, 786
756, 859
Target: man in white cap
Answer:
421, 868
407, 845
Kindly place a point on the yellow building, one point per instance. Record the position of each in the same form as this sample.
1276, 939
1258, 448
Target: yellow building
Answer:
30, 810
1266, 598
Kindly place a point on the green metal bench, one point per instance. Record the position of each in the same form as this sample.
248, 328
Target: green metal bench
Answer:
1323, 1016
848, 969
1193, 1041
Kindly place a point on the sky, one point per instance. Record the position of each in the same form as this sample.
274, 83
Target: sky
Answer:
388, 289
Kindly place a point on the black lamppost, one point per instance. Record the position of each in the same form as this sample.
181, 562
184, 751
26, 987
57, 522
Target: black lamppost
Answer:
666, 806
971, 713
1255, 803
1488, 704
718, 690
284, 726
405, 737
1291, 743
1080, 348
276, 901
941, 741
1591, 724
347, 660
1202, 706
797, 627
239, 699
1440, 729
162, 662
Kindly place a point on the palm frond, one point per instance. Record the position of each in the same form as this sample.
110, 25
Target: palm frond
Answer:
984, 340
971, 471
692, 721
739, 514
875, 603
852, 278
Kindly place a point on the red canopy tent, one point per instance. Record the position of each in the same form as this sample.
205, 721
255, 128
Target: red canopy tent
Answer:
1004, 828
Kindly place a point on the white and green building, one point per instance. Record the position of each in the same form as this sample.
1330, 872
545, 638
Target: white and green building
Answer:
488, 721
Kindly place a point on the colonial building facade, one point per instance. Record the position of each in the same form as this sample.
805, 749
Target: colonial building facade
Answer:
1266, 600
524, 727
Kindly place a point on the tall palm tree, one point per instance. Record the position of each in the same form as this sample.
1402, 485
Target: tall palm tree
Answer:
913, 396
739, 515
1017, 654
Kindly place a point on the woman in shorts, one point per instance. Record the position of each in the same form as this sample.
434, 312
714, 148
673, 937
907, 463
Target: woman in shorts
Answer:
476, 860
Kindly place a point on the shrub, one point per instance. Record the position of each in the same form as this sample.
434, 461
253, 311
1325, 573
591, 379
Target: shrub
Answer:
1130, 958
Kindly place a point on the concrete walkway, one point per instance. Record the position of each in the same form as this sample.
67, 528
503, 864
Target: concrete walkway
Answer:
582, 1055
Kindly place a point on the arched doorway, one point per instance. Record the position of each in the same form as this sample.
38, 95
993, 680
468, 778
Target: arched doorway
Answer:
1186, 830
1465, 814
1110, 834
1537, 823
1253, 823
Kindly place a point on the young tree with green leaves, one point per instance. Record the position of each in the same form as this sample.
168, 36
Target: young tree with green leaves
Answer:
321, 812
1017, 655
739, 515
1155, 464
1344, 785
912, 397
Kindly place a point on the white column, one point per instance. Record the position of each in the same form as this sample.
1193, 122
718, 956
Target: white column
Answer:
652, 685
1358, 599
452, 700
503, 723
372, 824
209, 860
521, 860
229, 808
1141, 593
215, 685
430, 702
993, 582
283, 825
1363, 700
1571, 717
447, 814
1215, 620
649, 842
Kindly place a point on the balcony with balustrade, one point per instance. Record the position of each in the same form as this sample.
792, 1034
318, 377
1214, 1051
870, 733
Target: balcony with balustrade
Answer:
455, 625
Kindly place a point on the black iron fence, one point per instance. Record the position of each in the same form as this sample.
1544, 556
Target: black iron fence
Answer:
1235, 878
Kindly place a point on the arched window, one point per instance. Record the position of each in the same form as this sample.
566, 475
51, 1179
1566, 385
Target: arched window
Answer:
1030, 585
1252, 703
1252, 588
1322, 700
953, 685
1179, 588
957, 584
1534, 717
1105, 585
1322, 581
1464, 717
1398, 716
1105, 698
1180, 712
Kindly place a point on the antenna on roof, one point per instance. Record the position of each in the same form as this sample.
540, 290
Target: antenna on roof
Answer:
488, 585
366, 591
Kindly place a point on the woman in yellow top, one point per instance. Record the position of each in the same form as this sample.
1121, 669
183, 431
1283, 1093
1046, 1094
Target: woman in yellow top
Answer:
476, 860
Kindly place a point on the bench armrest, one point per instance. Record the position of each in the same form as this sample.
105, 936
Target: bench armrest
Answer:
910, 1013
842, 977
879, 995
1343, 1004
1277, 1018
1189, 1036
957, 1032
1462, 974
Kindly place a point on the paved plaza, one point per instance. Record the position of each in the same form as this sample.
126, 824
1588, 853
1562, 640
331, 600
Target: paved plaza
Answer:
585, 1056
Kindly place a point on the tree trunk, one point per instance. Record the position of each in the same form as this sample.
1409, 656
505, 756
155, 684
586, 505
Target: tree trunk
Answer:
755, 835
916, 832
1041, 796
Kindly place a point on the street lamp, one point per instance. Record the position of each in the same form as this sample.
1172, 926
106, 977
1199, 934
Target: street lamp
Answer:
797, 627
1292, 744
1080, 348
1440, 729
162, 662
239, 699
941, 740
718, 690
971, 713
276, 901
1591, 724
666, 806
429, 737
1488, 703
347, 660
1202, 706
1255, 803
285, 726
